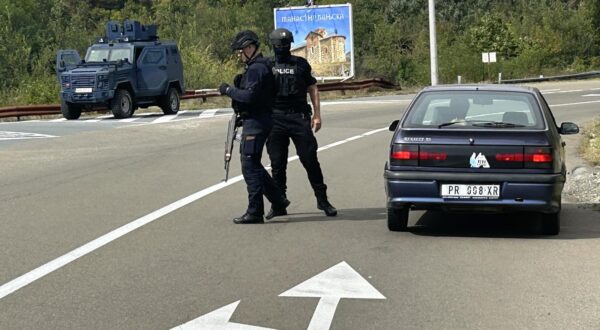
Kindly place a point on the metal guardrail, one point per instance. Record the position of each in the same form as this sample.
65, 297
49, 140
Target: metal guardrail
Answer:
204, 94
584, 75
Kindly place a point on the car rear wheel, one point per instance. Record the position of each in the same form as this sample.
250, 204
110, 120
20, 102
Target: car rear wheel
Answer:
169, 103
397, 218
551, 223
69, 110
122, 105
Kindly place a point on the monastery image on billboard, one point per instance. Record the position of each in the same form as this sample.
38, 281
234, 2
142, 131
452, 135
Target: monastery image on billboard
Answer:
322, 35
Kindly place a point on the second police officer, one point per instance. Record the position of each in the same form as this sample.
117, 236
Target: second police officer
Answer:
292, 120
252, 95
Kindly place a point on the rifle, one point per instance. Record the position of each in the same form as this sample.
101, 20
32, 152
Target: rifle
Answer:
229, 141
232, 128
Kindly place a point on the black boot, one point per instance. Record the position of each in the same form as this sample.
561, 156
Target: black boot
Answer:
249, 218
276, 211
322, 202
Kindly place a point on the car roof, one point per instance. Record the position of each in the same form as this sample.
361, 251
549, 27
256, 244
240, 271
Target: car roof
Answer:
482, 87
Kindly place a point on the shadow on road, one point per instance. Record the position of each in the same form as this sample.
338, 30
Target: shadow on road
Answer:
578, 221
343, 215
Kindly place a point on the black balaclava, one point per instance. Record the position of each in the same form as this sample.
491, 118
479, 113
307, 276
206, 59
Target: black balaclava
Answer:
282, 53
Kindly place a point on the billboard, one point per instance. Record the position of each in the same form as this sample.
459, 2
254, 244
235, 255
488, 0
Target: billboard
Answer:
322, 35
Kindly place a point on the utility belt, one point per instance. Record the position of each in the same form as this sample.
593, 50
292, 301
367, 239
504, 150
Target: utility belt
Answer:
304, 109
245, 113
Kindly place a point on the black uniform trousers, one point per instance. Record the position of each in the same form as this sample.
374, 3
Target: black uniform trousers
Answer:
294, 126
258, 181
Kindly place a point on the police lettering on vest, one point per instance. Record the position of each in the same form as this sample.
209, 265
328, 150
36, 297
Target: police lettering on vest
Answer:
283, 70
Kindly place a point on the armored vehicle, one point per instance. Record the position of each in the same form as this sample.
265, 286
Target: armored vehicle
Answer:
127, 68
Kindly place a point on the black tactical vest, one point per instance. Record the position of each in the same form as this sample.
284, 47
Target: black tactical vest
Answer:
291, 88
262, 103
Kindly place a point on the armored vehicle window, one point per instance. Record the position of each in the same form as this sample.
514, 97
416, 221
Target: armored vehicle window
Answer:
153, 57
70, 59
120, 54
97, 55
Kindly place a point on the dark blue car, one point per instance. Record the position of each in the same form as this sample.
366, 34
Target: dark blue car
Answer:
477, 148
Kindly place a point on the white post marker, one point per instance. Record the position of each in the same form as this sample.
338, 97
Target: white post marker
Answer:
337, 282
218, 320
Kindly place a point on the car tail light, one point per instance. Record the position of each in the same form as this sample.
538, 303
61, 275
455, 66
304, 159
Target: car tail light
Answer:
532, 157
411, 155
510, 157
424, 155
404, 154
538, 157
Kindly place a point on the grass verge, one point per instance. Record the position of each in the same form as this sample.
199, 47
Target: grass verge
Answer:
590, 146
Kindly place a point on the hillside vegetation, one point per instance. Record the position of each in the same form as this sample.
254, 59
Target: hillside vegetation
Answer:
391, 38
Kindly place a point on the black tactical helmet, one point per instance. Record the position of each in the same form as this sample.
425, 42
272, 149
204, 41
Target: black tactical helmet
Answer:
281, 37
243, 39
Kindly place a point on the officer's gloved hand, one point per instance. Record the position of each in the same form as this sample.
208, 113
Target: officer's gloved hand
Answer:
223, 88
237, 80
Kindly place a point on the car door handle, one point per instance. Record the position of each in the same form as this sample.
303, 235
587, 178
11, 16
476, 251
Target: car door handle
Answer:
163, 67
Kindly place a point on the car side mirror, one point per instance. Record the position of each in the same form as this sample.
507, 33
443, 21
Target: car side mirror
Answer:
568, 128
394, 125
62, 66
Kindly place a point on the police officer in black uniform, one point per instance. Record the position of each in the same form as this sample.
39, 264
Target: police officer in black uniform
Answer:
292, 120
252, 96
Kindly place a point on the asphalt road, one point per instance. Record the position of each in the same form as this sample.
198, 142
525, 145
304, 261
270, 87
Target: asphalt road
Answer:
126, 225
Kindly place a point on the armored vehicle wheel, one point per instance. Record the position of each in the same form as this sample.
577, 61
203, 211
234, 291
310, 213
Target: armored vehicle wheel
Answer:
122, 105
69, 110
169, 103
397, 219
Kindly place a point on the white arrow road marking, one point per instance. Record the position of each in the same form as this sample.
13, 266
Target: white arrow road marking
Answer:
218, 320
337, 282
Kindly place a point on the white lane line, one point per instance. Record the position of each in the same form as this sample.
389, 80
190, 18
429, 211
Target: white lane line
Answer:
588, 95
208, 113
81, 251
364, 102
550, 90
128, 120
164, 119
576, 103
6, 135
569, 91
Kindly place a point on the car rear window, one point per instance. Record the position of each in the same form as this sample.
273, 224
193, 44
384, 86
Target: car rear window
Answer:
474, 109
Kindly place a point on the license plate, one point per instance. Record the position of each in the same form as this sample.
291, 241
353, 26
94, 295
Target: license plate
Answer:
471, 191
83, 90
